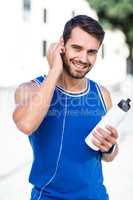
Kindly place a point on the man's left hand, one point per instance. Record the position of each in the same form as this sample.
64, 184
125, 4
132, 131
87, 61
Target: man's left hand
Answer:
105, 138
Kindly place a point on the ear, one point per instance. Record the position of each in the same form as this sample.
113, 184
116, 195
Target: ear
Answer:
62, 43
62, 40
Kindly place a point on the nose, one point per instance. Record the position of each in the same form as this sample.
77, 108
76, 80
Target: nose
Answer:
84, 57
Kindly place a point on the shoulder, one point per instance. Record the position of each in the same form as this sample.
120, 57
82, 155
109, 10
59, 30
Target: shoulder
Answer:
28, 89
24, 91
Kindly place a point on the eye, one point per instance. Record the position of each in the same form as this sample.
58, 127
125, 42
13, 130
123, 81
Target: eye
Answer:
92, 52
76, 47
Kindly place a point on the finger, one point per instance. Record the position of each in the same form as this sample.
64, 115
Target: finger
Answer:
106, 135
53, 47
96, 142
101, 130
51, 52
113, 131
104, 148
59, 48
101, 147
106, 141
98, 136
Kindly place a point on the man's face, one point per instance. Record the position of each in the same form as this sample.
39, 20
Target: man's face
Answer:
80, 53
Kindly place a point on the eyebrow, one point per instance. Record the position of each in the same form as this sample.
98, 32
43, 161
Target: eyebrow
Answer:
89, 51
76, 45
92, 51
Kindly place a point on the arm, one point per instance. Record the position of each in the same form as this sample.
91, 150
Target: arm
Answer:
32, 102
107, 140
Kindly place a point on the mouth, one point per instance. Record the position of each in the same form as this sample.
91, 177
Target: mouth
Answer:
79, 66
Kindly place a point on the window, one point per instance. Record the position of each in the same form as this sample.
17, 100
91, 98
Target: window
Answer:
27, 4
73, 13
26, 9
44, 48
103, 51
45, 15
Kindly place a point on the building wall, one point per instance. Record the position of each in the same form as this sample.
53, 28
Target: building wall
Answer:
24, 33
57, 13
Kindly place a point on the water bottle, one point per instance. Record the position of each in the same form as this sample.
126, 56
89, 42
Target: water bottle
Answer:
113, 117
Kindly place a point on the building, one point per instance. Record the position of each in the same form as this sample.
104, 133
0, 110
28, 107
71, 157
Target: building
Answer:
29, 26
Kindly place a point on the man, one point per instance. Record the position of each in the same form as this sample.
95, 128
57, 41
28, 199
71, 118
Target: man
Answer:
57, 112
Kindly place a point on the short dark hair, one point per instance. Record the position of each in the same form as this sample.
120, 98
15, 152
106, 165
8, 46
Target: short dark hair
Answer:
87, 24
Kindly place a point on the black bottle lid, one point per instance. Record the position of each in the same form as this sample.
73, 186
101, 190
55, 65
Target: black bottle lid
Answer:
125, 104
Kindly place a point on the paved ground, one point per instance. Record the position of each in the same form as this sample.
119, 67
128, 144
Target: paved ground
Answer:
15, 154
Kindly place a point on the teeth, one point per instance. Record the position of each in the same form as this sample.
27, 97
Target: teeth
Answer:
78, 65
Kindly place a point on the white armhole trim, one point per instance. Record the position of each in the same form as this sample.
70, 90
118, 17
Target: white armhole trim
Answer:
101, 97
37, 82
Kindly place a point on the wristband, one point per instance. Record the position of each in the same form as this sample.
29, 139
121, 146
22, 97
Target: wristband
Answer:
111, 149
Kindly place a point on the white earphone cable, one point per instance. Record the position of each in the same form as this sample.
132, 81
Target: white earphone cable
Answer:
60, 150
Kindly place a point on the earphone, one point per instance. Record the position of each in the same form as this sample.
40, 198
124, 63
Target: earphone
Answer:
59, 155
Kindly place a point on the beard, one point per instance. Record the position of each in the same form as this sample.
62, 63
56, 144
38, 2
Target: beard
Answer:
69, 71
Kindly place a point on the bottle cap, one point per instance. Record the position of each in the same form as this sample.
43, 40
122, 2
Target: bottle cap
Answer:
125, 104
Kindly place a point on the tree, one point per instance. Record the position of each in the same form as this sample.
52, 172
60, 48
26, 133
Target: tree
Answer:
117, 14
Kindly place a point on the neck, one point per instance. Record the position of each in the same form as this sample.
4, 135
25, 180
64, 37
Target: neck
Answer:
71, 84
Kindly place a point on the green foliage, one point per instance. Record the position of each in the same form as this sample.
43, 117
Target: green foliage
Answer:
116, 14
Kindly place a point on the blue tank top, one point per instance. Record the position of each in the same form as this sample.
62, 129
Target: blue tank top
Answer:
63, 165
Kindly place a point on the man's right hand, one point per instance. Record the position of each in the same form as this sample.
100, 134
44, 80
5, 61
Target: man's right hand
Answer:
29, 116
54, 57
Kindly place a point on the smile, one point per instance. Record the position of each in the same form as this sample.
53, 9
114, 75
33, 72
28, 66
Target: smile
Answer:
79, 65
